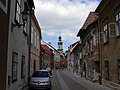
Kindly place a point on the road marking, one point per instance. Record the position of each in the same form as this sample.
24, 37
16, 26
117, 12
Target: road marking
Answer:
62, 82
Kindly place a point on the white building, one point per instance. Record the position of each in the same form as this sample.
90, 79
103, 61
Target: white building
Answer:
18, 43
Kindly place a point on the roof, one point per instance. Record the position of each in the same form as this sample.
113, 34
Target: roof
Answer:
100, 6
47, 49
73, 46
72, 49
92, 17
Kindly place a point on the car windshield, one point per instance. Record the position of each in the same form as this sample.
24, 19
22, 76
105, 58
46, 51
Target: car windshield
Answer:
40, 74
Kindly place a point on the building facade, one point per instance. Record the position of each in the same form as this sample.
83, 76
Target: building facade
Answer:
47, 56
56, 59
109, 27
35, 45
20, 12
73, 57
89, 43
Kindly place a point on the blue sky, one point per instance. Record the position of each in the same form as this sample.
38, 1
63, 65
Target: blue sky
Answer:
62, 16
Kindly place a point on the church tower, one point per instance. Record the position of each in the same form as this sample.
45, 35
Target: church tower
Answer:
60, 47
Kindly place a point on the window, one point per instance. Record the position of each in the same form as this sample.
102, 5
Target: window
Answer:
106, 35
119, 69
35, 39
17, 13
14, 66
23, 67
32, 35
118, 24
107, 70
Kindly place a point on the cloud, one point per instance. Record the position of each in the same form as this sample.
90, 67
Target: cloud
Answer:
64, 16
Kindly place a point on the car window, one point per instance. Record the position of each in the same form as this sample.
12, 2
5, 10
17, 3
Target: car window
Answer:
40, 74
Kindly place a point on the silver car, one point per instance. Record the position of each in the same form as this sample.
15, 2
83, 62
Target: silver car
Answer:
40, 80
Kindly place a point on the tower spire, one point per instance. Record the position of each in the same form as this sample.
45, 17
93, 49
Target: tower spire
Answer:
60, 43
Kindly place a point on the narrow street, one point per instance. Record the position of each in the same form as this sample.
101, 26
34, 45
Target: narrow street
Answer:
65, 80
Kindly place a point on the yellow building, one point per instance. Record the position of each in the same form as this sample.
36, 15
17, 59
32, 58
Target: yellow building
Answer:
35, 45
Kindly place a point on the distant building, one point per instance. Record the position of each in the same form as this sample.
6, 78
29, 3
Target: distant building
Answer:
73, 61
62, 54
47, 56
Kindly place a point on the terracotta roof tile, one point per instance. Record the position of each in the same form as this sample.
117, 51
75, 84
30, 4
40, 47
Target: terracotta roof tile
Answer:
47, 49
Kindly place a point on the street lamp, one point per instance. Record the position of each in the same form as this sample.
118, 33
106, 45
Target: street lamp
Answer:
24, 18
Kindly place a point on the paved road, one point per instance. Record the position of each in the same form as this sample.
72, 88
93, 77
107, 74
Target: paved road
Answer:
66, 80
67, 83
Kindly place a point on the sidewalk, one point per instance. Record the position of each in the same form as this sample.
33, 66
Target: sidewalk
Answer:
86, 83
111, 85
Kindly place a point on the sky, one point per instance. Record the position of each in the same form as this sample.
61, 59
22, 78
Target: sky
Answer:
62, 17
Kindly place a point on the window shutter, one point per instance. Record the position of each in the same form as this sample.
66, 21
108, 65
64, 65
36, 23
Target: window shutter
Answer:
112, 32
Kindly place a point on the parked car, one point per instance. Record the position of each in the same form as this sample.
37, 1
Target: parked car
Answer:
40, 80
